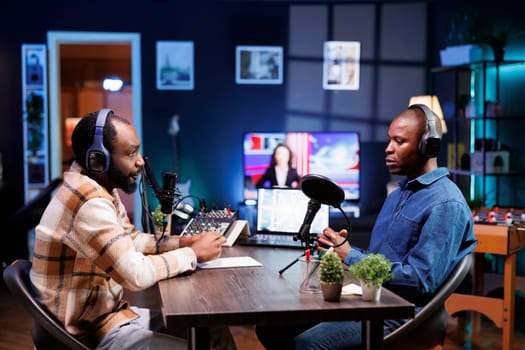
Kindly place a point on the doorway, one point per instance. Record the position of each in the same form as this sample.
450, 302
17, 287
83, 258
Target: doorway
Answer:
76, 61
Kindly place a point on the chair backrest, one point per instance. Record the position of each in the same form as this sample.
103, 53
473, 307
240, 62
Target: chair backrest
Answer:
50, 333
29, 215
21, 221
427, 329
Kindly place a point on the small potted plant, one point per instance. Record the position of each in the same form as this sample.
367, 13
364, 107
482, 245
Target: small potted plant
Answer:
372, 272
331, 275
498, 37
158, 218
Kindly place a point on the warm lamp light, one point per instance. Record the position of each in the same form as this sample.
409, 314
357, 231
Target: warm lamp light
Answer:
112, 84
432, 102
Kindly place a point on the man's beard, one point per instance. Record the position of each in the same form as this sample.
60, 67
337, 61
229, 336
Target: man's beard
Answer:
122, 180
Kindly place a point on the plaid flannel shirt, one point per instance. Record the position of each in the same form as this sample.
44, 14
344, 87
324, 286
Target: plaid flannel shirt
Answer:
86, 251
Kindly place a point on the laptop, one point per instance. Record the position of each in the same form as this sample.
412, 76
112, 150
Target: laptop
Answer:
280, 214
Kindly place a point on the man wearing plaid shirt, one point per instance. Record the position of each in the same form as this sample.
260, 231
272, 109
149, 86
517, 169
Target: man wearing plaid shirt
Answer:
87, 251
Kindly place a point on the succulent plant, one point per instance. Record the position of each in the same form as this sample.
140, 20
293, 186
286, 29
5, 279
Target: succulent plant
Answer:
331, 268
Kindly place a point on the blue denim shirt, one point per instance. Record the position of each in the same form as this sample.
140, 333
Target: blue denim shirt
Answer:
425, 227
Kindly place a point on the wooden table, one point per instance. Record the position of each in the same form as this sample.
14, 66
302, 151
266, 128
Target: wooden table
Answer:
501, 240
259, 295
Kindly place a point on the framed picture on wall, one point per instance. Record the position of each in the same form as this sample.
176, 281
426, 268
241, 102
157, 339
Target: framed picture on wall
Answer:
34, 68
259, 65
175, 65
341, 65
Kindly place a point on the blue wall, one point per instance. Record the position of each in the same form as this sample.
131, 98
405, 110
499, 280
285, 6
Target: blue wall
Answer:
217, 112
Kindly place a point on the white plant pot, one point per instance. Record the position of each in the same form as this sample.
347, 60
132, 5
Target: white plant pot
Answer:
370, 292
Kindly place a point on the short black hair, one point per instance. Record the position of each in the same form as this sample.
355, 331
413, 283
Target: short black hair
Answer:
83, 134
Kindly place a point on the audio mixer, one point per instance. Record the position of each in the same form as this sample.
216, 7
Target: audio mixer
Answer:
218, 220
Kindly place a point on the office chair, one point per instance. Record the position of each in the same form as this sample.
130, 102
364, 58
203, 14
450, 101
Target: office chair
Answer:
23, 220
47, 332
427, 329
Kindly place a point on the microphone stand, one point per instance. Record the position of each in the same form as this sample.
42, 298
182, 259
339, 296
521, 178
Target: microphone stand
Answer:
321, 190
291, 264
304, 231
165, 195
147, 221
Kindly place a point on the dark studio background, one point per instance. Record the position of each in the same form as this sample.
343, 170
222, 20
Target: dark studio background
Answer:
216, 113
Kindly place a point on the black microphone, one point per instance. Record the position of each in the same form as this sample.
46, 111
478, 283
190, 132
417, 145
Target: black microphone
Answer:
167, 195
313, 207
325, 191
322, 189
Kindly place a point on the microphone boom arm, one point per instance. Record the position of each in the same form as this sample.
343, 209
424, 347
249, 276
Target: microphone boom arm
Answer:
150, 178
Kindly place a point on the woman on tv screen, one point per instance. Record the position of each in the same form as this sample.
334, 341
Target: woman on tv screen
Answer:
280, 173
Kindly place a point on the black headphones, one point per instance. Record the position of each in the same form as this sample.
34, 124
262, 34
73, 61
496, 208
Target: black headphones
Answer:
430, 142
97, 156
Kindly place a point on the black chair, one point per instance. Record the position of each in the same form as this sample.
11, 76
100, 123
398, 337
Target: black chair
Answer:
23, 220
48, 332
427, 329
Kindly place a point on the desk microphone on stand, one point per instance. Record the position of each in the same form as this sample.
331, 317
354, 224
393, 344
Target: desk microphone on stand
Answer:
166, 195
321, 190
304, 232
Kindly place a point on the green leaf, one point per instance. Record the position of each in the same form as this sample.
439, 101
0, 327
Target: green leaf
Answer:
374, 268
331, 268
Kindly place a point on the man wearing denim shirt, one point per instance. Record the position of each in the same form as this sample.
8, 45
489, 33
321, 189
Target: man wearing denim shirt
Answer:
424, 228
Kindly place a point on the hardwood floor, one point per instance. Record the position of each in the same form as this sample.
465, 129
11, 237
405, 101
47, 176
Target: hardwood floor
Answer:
15, 323
15, 331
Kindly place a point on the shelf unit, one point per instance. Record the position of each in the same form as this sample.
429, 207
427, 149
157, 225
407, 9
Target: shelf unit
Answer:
35, 126
483, 151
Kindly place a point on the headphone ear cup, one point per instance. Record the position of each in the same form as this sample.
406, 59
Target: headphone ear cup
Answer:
431, 147
96, 162
97, 156
430, 142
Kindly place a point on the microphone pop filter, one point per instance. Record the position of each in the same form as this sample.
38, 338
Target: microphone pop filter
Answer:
323, 189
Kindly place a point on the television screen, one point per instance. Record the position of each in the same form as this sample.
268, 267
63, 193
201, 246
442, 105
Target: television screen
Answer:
332, 154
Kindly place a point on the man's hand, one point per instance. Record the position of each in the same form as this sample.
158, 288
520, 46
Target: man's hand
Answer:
329, 238
187, 241
207, 245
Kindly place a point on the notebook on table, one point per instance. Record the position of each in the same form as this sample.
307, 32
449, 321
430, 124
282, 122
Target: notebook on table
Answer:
280, 214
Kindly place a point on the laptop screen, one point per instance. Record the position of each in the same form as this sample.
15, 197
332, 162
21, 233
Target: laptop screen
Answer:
282, 211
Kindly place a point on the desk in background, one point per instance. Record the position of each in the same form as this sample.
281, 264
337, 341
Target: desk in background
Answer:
259, 295
501, 240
